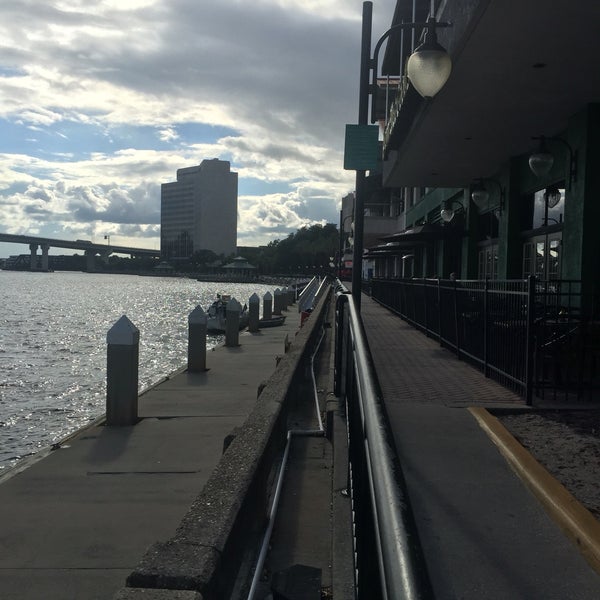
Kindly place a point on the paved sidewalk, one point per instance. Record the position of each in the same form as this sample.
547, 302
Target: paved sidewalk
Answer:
483, 532
76, 523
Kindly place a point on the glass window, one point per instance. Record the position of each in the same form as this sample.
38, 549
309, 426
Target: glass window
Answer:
541, 257
488, 262
554, 199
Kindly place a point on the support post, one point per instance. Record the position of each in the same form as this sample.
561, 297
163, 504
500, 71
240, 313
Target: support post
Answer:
232, 323
361, 175
33, 258
45, 248
254, 313
197, 326
122, 373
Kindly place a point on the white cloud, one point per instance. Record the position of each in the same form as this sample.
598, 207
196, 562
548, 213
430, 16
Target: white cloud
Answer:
282, 75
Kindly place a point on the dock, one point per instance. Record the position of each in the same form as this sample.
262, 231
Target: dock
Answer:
77, 521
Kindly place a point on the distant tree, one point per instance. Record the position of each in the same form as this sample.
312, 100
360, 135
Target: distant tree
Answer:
307, 248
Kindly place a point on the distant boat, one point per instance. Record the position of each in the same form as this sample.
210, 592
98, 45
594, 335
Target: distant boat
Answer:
217, 315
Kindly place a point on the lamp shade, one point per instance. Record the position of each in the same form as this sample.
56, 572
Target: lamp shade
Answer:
553, 196
428, 69
480, 196
429, 66
541, 163
447, 214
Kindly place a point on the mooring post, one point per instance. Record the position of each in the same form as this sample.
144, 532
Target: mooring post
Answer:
267, 305
122, 364
284, 298
277, 302
197, 325
232, 322
254, 313
291, 295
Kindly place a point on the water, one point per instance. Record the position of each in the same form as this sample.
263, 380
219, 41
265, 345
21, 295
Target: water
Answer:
53, 330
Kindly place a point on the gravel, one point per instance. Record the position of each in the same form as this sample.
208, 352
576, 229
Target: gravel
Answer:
567, 444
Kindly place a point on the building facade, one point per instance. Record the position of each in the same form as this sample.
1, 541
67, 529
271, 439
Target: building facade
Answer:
199, 211
512, 96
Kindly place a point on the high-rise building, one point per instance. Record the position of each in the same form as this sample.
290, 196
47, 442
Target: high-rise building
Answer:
199, 211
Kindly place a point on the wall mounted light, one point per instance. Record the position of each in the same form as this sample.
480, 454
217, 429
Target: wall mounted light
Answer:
481, 195
447, 213
552, 195
429, 66
542, 161
428, 59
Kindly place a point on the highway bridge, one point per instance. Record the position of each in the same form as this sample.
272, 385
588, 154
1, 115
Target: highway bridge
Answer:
90, 249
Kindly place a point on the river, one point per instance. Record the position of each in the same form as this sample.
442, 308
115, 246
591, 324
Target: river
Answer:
53, 330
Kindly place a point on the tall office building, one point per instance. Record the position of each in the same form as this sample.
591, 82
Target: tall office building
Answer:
199, 211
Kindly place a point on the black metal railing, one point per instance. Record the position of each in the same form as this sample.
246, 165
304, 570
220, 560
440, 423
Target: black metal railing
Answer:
388, 559
536, 337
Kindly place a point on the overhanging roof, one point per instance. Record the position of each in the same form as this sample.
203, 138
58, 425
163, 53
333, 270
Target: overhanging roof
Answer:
499, 95
414, 236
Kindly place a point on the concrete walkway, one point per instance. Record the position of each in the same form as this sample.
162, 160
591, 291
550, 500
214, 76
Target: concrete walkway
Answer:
76, 523
484, 534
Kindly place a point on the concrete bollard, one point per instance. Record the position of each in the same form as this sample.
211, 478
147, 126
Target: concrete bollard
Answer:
277, 302
232, 322
291, 296
284, 298
122, 364
267, 305
253, 313
197, 326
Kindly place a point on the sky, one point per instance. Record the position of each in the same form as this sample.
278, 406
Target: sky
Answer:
101, 101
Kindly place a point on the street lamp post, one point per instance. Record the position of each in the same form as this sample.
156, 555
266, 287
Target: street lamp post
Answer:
428, 69
342, 241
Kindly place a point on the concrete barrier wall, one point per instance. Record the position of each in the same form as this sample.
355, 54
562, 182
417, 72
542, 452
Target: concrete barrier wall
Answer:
207, 549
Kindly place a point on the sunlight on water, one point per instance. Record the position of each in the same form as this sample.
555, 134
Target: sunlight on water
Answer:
53, 330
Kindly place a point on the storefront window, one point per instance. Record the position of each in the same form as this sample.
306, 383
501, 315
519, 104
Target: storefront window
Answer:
541, 257
554, 199
488, 262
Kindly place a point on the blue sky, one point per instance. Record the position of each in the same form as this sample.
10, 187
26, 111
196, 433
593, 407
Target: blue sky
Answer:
101, 101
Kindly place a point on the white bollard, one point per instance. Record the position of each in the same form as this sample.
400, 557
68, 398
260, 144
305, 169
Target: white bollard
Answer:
254, 313
232, 322
267, 306
291, 295
122, 364
277, 302
197, 325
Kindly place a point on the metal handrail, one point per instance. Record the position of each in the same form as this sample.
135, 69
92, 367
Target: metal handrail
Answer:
308, 294
384, 525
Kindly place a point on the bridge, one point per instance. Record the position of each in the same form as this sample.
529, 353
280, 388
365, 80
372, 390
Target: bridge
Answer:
90, 249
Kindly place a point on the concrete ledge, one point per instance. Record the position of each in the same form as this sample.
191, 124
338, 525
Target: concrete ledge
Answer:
145, 594
175, 565
571, 516
208, 547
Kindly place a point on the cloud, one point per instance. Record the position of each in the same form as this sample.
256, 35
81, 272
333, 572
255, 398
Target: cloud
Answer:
110, 86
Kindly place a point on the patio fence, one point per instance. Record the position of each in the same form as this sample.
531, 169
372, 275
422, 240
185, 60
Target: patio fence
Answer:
538, 338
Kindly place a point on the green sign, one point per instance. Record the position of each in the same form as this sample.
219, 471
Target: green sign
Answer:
361, 152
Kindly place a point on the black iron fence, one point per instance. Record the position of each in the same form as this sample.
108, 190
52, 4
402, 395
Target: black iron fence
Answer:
388, 559
538, 338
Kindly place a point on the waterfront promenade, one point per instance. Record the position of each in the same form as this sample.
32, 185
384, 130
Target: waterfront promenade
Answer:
484, 534
76, 522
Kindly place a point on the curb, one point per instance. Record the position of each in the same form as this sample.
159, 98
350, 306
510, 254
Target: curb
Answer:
572, 517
